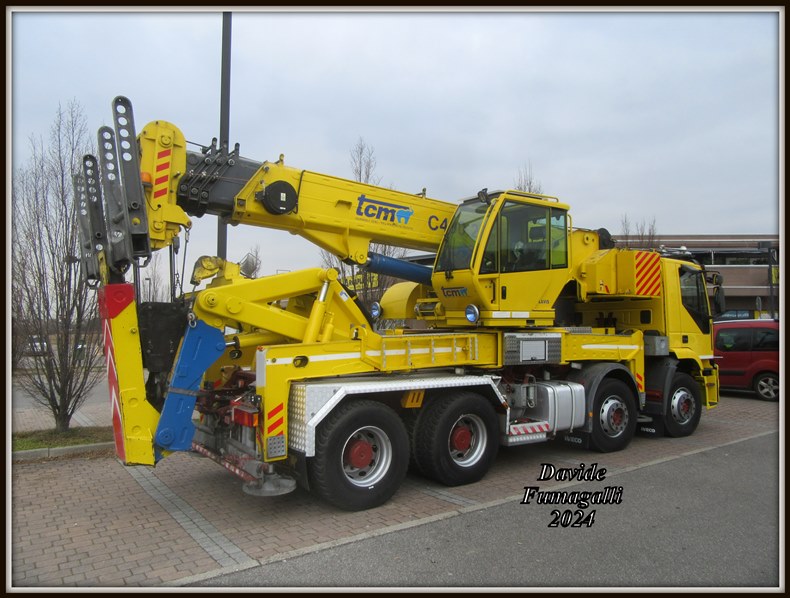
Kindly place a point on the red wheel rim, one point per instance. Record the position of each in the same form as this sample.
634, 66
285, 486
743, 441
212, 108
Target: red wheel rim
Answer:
359, 453
461, 438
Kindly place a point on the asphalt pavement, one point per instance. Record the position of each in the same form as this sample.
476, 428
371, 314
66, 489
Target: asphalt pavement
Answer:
704, 520
702, 511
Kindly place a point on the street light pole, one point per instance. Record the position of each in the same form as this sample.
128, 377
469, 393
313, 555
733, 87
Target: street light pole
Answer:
224, 124
771, 260
766, 246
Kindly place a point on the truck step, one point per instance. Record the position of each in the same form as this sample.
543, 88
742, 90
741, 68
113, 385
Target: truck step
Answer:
526, 432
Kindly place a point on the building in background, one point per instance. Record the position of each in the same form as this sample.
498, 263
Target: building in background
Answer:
748, 263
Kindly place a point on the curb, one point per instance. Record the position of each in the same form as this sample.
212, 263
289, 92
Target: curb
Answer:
60, 451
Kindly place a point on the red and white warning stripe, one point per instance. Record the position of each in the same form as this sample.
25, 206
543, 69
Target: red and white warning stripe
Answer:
112, 382
529, 428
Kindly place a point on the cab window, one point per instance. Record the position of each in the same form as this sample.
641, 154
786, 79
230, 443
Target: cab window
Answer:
695, 297
526, 238
459, 242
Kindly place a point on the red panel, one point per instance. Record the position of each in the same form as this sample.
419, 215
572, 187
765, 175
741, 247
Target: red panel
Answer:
114, 298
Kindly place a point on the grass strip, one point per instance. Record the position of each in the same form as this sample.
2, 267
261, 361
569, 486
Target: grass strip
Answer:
23, 441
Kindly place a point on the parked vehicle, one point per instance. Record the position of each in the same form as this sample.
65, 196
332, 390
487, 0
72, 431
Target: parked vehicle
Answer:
738, 314
38, 346
747, 354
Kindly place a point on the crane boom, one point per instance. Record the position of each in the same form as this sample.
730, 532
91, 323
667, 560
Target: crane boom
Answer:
339, 215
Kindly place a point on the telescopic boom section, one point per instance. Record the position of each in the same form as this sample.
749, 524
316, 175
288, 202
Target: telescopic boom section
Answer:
341, 216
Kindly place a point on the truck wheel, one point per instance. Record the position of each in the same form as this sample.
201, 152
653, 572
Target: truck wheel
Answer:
361, 456
767, 386
410, 418
684, 406
614, 416
456, 439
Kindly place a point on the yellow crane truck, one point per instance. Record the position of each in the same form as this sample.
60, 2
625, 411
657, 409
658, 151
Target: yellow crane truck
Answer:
528, 329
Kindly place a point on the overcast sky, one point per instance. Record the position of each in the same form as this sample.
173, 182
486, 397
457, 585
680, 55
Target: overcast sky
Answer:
665, 116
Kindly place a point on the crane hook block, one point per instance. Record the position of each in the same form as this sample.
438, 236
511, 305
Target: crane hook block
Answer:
278, 198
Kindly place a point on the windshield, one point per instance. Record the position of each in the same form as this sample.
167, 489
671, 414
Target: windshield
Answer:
459, 242
695, 297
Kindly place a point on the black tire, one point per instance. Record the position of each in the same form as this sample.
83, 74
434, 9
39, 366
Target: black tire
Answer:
766, 386
361, 456
456, 438
410, 418
614, 416
684, 406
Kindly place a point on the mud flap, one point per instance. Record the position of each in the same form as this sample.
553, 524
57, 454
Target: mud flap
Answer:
577, 439
651, 426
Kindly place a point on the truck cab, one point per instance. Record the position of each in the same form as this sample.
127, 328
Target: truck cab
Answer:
491, 243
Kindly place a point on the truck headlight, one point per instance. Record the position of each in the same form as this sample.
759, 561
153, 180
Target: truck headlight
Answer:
472, 313
375, 310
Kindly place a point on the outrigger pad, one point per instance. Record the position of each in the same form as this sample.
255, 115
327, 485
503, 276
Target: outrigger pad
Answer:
271, 484
654, 428
201, 347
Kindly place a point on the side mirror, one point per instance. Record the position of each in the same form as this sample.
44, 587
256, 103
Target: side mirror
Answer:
718, 301
248, 267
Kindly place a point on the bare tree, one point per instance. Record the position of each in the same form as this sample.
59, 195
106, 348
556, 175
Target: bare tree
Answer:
644, 234
55, 311
363, 163
20, 337
154, 282
625, 230
526, 181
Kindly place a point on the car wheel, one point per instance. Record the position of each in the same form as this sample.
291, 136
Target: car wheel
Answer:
767, 386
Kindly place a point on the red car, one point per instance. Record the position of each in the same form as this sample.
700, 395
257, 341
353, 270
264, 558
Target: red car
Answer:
747, 354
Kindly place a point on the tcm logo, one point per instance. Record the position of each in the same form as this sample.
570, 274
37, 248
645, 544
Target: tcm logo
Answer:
382, 210
454, 291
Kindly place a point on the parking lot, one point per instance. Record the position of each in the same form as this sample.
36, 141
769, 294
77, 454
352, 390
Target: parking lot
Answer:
89, 521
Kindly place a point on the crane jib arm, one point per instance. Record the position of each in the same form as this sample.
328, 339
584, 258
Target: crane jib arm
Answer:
339, 215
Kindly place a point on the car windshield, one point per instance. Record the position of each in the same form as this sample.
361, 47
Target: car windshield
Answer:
459, 242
